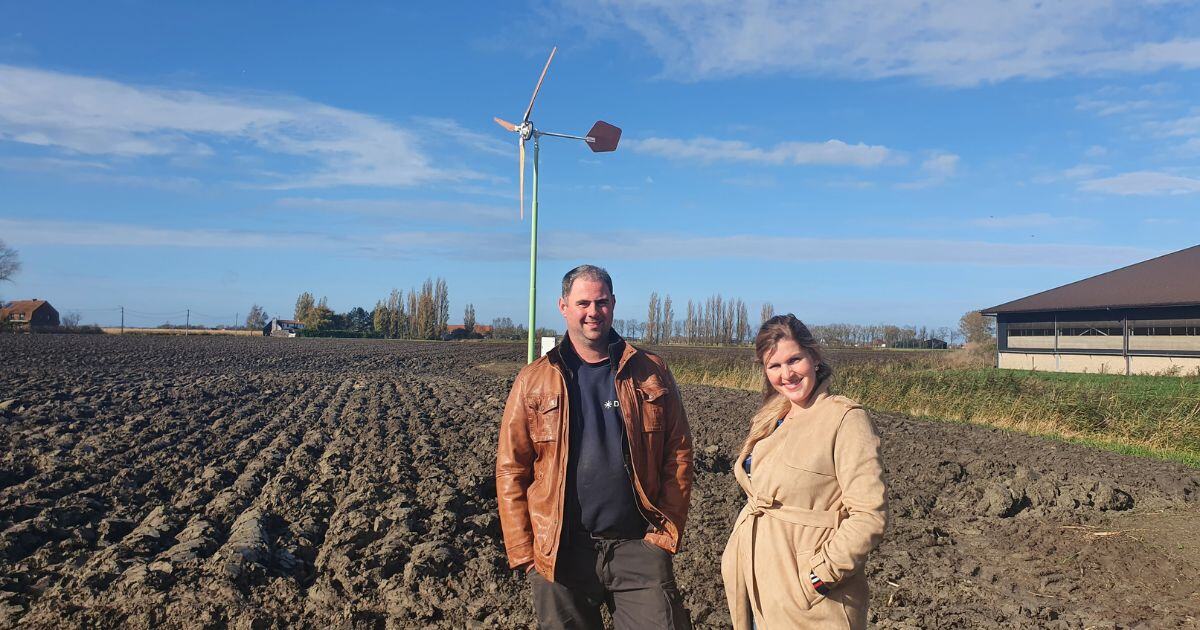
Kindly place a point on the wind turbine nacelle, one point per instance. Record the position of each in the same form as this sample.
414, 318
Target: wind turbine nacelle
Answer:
603, 137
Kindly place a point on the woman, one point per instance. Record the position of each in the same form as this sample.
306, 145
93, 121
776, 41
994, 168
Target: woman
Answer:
813, 478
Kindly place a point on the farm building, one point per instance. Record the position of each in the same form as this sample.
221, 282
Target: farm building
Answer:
1140, 319
282, 328
27, 315
924, 344
481, 329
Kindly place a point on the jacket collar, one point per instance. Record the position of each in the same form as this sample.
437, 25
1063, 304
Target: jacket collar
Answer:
619, 351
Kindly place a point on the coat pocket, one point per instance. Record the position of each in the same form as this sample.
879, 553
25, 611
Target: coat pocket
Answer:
653, 400
544, 413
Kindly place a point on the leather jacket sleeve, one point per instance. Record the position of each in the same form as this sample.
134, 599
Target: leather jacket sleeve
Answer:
514, 473
678, 471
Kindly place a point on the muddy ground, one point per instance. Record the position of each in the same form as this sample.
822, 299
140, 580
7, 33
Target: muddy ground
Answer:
255, 483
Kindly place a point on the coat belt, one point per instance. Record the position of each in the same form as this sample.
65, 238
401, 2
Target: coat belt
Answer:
768, 506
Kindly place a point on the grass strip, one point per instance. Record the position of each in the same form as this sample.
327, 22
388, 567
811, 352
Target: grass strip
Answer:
1145, 416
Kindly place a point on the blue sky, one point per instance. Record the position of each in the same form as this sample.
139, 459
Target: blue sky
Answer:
866, 162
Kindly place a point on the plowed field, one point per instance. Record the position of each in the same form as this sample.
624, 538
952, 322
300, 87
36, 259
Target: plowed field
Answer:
255, 483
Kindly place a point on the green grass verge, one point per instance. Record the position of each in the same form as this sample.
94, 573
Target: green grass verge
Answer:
1147, 416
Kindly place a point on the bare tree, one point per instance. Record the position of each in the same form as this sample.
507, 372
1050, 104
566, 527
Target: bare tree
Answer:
689, 324
441, 304
743, 322
651, 335
256, 318
768, 311
9, 263
70, 320
667, 319
469, 318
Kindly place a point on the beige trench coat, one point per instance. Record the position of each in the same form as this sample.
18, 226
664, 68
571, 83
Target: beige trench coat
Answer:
816, 502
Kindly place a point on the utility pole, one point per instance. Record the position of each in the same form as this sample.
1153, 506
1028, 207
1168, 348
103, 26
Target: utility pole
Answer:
122, 320
187, 323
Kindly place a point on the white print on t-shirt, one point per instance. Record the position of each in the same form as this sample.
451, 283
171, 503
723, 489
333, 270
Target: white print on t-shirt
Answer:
609, 404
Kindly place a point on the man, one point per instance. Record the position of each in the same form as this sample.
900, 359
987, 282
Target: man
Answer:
594, 472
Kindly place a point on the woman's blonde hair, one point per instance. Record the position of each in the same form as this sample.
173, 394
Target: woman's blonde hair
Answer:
774, 405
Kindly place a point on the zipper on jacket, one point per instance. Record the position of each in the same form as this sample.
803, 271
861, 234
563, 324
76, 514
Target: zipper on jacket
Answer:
565, 413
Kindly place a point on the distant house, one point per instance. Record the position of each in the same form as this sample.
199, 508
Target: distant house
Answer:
282, 328
923, 344
29, 315
1140, 319
482, 330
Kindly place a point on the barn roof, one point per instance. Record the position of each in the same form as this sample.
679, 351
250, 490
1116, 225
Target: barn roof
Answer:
17, 307
1169, 280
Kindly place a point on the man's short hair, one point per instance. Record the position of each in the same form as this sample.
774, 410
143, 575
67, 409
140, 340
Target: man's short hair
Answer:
591, 272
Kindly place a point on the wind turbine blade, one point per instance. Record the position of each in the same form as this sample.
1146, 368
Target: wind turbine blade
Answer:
521, 195
529, 109
504, 123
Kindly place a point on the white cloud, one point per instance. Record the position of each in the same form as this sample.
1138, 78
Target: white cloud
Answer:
95, 172
558, 245
1143, 183
72, 233
1095, 151
99, 117
940, 41
1112, 108
937, 169
1191, 147
456, 212
1185, 126
1031, 220
634, 246
1079, 171
831, 152
484, 143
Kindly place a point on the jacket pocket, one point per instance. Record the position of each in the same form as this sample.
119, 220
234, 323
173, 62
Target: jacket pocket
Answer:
653, 398
544, 413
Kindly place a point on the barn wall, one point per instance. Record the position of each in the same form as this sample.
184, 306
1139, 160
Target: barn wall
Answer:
1026, 361
1176, 366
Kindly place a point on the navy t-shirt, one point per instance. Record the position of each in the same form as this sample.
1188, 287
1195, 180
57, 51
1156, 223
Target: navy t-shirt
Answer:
599, 489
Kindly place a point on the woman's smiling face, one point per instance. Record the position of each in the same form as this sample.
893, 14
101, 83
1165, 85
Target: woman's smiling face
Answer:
791, 371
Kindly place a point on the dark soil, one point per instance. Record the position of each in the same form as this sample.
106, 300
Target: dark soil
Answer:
257, 483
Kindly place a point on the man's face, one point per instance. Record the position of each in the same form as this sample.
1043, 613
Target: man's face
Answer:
588, 310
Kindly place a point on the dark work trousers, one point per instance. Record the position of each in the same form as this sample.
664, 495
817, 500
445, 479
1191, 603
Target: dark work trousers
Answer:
633, 578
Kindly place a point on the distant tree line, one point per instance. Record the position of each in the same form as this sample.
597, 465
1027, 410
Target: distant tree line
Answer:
720, 321
504, 328
420, 314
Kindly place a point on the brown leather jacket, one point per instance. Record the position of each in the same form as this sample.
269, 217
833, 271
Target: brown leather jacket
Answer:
531, 461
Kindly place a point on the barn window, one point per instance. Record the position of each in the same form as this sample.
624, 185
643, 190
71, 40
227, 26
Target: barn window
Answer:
1034, 335
1106, 335
1165, 335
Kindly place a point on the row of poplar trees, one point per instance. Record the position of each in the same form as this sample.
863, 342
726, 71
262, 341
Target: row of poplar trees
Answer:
421, 314
712, 321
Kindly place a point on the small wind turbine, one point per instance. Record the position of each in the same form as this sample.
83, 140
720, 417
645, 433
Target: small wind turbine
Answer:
601, 138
